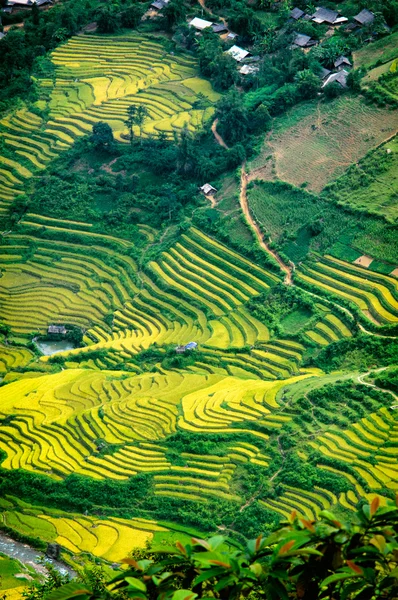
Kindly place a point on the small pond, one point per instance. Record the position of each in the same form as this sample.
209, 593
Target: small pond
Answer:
29, 556
50, 347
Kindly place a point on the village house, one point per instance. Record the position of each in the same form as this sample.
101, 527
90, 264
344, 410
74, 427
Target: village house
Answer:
296, 14
303, 41
27, 4
249, 69
238, 53
200, 24
342, 63
189, 346
57, 329
324, 15
340, 78
365, 17
219, 28
208, 189
159, 4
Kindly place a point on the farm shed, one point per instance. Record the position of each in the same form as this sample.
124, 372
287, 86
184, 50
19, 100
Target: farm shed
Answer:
199, 24
58, 329
324, 15
340, 77
238, 53
365, 17
342, 62
296, 13
232, 35
208, 189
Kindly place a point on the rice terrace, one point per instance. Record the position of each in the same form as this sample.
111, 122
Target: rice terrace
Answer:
198, 277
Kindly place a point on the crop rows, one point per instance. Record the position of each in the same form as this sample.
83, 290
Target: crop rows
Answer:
63, 422
97, 79
111, 539
375, 295
369, 448
12, 358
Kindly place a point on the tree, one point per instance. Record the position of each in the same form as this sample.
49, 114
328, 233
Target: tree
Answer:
304, 559
108, 19
136, 115
132, 16
232, 117
224, 73
174, 12
333, 90
308, 84
102, 137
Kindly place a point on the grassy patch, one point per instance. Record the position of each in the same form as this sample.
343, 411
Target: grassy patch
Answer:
372, 184
380, 52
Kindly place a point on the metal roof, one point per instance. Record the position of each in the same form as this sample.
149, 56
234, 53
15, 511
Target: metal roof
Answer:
365, 17
200, 23
238, 53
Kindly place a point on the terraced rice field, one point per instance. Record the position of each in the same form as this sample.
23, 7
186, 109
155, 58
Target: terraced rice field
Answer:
58, 420
110, 539
375, 295
369, 449
97, 79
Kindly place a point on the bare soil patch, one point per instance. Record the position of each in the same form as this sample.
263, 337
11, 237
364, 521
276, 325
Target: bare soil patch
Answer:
364, 261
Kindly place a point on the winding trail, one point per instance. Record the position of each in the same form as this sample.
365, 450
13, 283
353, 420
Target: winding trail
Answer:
254, 226
360, 379
260, 237
217, 136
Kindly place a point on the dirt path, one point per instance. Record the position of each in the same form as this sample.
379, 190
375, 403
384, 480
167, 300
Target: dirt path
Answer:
211, 200
217, 135
254, 226
361, 377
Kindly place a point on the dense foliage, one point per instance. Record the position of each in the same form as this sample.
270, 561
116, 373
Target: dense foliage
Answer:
327, 558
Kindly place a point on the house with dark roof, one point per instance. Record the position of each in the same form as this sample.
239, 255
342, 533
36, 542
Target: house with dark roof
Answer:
342, 63
57, 329
323, 73
340, 78
303, 41
296, 14
219, 28
324, 15
365, 17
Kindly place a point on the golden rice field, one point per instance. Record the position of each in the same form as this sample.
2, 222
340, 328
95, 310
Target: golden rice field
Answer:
59, 418
110, 538
96, 79
375, 295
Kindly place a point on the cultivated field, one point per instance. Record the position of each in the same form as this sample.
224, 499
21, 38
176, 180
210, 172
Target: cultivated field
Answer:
96, 79
314, 143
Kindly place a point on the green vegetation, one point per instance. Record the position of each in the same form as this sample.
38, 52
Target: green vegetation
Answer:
285, 279
321, 557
